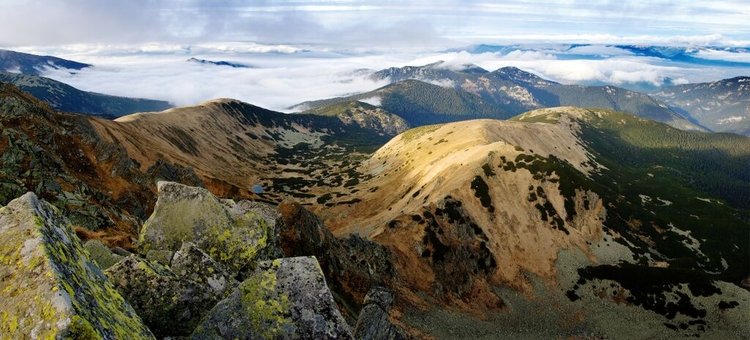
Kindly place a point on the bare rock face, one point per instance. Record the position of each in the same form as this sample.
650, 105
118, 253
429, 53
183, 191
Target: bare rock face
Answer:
170, 303
352, 265
373, 322
284, 299
49, 288
234, 235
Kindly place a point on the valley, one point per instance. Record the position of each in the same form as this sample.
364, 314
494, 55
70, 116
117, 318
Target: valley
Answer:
451, 203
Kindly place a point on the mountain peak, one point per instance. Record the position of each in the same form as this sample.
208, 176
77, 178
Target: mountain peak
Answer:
518, 75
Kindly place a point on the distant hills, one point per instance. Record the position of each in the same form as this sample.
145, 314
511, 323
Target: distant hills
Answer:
67, 98
438, 93
17, 62
24, 71
218, 63
722, 106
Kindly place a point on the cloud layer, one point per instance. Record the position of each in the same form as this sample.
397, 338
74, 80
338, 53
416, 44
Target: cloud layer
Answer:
283, 75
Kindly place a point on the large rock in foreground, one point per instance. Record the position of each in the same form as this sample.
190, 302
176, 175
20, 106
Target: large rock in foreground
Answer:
285, 298
48, 286
171, 302
233, 234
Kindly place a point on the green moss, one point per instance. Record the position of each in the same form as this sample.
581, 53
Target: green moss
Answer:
81, 329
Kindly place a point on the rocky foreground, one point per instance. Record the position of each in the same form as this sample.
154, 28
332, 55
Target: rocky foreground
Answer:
205, 268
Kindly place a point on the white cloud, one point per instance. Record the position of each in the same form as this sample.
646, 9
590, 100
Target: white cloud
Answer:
284, 75
713, 54
599, 50
375, 100
277, 81
447, 83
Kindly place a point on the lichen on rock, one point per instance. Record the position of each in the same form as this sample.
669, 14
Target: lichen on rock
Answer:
49, 288
231, 234
170, 304
285, 298
192, 263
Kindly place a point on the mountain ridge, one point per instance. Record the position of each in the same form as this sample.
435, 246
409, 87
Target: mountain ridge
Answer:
435, 93
67, 98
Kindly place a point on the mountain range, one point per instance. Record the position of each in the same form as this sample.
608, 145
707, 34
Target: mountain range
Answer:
437, 93
25, 70
17, 62
558, 207
453, 202
722, 106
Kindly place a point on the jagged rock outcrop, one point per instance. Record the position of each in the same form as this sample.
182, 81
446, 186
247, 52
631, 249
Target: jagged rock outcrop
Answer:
99, 253
170, 303
285, 298
234, 235
352, 265
48, 286
373, 322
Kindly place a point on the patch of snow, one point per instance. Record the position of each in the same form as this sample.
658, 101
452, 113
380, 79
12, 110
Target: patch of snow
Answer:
664, 202
645, 199
690, 242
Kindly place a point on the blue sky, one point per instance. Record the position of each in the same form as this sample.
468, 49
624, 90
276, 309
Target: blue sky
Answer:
380, 24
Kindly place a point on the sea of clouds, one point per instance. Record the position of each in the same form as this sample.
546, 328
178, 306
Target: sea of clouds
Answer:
280, 76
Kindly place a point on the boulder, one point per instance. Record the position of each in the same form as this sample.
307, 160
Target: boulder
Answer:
100, 254
49, 288
193, 264
373, 322
283, 299
233, 235
170, 304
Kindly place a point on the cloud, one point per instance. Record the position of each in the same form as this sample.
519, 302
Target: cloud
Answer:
277, 81
373, 24
375, 100
284, 75
734, 56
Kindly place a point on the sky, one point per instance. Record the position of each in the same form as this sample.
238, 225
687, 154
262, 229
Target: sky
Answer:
306, 50
357, 24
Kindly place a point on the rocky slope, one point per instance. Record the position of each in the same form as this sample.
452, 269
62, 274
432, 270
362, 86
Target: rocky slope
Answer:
65, 161
52, 287
438, 93
365, 115
238, 149
565, 204
103, 173
722, 106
